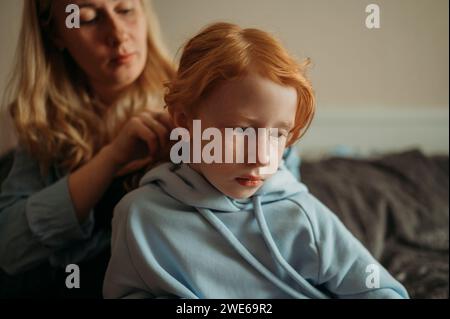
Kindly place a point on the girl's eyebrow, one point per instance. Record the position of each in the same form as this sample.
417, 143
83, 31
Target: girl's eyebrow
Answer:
254, 122
284, 124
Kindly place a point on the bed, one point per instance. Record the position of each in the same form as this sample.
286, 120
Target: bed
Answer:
396, 204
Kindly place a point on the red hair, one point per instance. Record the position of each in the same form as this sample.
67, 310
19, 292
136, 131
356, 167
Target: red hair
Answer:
224, 51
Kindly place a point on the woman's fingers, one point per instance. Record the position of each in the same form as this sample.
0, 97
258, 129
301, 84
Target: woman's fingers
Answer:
165, 119
134, 166
161, 130
147, 135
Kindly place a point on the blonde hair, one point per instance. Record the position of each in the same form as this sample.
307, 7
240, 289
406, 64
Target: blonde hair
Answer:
56, 118
224, 51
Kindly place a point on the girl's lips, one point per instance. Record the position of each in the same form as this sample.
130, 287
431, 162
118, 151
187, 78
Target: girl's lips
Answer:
249, 180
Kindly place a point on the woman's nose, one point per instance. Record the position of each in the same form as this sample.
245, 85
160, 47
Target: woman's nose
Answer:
117, 33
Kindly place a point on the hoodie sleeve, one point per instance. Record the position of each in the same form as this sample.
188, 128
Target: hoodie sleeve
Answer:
37, 218
122, 280
347, 269
134, 270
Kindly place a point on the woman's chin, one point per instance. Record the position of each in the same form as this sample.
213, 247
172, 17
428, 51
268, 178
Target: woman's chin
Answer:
118, 81
123, 75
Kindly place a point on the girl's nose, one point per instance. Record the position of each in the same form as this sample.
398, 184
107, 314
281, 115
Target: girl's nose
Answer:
263, 154
262, 151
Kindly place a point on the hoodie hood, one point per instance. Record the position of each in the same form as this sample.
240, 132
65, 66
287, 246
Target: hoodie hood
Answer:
189, 187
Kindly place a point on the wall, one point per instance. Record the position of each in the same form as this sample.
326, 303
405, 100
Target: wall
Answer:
396, 72
402, 64
10, 12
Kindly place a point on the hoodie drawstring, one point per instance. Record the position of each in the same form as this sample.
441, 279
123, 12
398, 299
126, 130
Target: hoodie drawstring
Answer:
233, 241
310, 290
243, 251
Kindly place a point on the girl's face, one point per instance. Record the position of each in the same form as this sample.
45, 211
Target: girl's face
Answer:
110, 45
252, 101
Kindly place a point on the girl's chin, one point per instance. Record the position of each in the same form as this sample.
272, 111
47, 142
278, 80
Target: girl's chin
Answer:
241, 195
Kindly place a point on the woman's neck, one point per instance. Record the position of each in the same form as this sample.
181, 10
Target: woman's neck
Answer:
106, 94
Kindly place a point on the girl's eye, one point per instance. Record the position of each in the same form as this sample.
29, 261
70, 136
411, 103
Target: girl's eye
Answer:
277, 133
240, 129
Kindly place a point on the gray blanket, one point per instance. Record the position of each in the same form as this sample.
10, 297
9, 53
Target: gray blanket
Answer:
398, 206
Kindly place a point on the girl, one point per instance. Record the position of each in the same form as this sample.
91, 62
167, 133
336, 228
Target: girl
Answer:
226, 230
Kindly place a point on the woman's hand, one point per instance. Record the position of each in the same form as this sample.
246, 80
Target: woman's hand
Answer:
140, 140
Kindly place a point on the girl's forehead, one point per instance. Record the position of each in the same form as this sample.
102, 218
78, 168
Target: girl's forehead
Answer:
250, 95
255, 102
252, 85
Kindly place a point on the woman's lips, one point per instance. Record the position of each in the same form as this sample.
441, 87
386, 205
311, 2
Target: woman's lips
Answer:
123, 59
249, 180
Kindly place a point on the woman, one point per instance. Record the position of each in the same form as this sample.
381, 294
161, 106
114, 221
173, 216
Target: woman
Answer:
86, 104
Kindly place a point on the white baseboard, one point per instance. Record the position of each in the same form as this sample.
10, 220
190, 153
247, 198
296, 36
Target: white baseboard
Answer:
365, 132
356, 132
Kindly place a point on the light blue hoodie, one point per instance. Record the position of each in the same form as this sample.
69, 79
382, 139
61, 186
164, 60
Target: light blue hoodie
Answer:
178, 236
